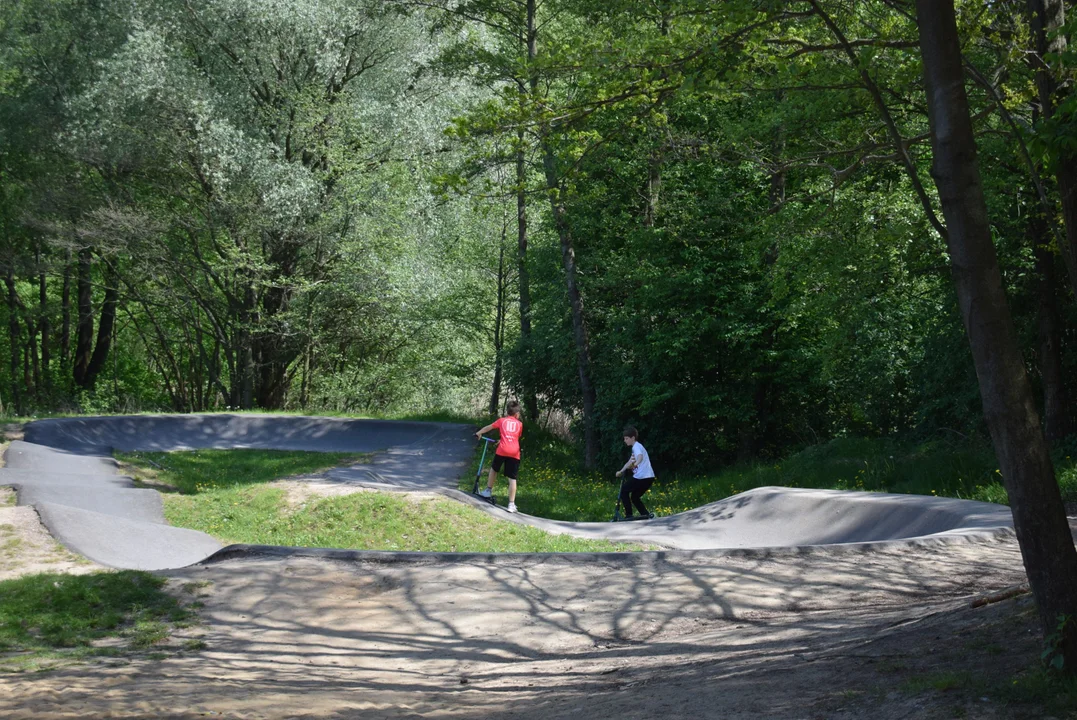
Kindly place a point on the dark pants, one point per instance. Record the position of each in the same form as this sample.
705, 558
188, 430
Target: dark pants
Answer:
632, 491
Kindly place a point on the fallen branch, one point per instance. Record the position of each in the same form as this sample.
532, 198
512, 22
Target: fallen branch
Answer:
999, 596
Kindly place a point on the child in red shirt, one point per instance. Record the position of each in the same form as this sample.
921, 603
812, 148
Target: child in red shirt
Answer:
507, 454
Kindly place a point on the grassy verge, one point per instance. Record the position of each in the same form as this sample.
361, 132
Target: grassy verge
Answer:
50, 619
553, 484
225, 493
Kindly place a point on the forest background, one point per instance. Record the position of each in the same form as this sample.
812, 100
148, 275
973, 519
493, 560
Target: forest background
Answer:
714, 221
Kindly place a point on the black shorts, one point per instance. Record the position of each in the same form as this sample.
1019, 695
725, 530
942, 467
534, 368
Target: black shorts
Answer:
512, 466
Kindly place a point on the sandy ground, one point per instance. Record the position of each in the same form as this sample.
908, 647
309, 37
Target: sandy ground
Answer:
825, 635
821, 635
25, 545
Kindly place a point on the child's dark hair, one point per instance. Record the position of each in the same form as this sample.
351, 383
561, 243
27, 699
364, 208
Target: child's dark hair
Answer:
513, 407
630, 432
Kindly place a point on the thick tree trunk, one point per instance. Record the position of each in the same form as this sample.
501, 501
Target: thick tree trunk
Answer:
1045, 17
1039, 518
579, 325
84, 324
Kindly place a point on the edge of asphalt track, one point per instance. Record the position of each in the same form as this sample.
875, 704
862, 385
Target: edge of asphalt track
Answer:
400, 466
638, 558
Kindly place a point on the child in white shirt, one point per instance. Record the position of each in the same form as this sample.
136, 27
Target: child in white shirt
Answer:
642, 475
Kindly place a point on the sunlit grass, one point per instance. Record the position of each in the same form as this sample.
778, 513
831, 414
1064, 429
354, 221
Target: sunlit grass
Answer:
224, 493
364, 520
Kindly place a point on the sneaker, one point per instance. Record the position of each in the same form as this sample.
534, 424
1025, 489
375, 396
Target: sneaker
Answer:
486, 492
512, 507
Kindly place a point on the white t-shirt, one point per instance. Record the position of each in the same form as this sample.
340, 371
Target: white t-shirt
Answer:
643, 466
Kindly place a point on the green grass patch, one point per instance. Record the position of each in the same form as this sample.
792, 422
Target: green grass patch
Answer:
1055, 694
51, 619
1037, 692
365, 520
199, 471
224, 493
941, 682
553, 483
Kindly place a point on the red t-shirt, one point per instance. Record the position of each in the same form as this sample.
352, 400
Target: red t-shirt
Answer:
511, 429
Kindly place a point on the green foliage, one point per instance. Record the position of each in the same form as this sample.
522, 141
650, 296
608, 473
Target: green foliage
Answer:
50, 619
240, 171
1053, 656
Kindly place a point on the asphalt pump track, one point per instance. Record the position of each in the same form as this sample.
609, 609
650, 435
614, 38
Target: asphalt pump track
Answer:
65, 470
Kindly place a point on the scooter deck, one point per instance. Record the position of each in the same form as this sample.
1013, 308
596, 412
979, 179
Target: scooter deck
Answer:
649, 516
489, 500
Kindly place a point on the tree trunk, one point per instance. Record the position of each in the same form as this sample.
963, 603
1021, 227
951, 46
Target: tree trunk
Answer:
84, 328
755, 429
105, 326
1056, 417
13, 337
305, 386
499, 321
523, 278
654, 186
579, 325
46, 330
246, 350
1045, 17
65, 318
1039, 518
33, 379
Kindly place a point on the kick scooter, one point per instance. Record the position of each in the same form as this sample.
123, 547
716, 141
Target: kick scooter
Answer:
475, 489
